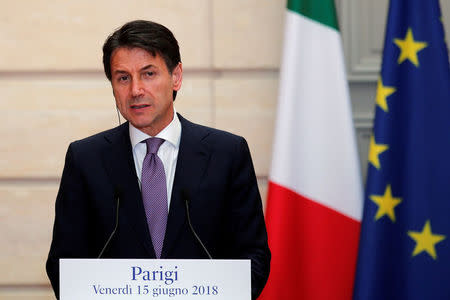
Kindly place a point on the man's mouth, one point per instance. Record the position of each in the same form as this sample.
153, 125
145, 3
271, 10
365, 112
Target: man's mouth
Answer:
138, 106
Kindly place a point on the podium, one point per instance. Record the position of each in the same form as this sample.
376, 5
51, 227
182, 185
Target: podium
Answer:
181, 279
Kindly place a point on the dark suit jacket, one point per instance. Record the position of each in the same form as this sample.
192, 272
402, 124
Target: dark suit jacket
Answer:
215, 168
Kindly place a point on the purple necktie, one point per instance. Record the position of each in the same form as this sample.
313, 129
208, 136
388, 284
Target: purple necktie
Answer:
154, 194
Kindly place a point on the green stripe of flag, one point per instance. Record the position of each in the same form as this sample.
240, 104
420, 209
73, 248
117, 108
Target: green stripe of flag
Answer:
322, 11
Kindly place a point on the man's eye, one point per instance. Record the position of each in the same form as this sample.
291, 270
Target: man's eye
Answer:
123, 78
149, 73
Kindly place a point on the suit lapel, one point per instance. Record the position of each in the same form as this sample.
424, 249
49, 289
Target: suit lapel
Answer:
193, 157
119, 161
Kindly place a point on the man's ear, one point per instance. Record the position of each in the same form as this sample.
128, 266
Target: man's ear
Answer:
177, 76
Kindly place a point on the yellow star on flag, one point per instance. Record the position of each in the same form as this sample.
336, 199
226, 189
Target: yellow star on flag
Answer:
374, 151
386, 204
409, 48
425, 240
382, 93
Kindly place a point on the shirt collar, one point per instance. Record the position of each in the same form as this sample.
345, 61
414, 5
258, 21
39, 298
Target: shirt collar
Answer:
171, 133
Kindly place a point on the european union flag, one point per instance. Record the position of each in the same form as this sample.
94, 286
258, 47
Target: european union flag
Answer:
405, 234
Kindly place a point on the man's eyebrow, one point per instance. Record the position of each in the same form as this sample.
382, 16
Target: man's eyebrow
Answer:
142, 69
120, 72
147, 67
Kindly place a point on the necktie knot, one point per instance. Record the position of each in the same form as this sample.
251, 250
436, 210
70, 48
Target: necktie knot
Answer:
153, 144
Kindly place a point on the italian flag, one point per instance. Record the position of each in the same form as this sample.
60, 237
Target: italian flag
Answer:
315, 195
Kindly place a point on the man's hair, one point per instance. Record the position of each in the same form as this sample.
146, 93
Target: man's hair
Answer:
149, 36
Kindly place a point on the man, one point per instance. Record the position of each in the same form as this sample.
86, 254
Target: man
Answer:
141, 173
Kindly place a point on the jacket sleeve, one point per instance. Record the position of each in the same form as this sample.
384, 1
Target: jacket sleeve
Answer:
70, 230
248, 226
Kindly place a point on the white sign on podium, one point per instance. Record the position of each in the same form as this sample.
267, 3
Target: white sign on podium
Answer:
126, 279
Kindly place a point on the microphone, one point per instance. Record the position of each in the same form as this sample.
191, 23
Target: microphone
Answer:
185, 195
117, 193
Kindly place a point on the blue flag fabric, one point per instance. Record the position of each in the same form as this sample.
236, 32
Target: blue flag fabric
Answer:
405, 235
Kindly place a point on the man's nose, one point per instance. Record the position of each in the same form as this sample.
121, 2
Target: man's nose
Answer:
137, 88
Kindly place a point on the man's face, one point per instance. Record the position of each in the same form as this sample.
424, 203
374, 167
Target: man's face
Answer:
143, 88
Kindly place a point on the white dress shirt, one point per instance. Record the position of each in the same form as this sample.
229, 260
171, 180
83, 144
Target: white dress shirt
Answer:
167, 152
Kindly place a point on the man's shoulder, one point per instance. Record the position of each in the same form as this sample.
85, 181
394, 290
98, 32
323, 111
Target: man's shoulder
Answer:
101, 138
209, 133
216, 140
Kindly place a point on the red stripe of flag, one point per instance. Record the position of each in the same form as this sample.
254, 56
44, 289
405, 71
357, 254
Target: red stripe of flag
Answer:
314, 248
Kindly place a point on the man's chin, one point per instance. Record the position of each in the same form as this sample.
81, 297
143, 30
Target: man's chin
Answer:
142, 123
141, 126
148, 127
